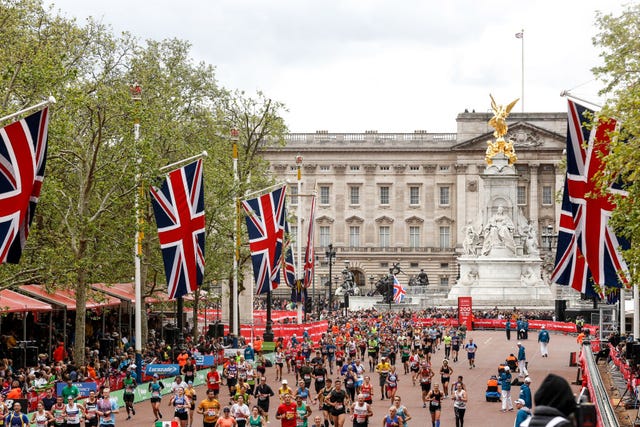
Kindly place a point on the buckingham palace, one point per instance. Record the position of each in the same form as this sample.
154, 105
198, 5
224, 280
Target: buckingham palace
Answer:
404, 198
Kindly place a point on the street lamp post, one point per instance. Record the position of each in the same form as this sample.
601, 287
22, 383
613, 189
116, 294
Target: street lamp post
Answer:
331, 256
371, 281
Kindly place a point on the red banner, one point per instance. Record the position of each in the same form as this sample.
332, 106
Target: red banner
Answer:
285, 330
465, 312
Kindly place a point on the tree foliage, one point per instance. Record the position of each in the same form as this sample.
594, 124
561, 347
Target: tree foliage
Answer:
619, 41
85, 221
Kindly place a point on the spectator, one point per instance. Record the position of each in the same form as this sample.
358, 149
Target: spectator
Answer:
60, 353
554, 402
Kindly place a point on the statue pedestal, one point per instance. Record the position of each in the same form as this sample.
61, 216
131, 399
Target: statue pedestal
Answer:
502, 279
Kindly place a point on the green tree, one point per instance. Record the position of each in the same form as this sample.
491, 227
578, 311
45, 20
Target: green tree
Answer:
619, 41
85, 222
259, 123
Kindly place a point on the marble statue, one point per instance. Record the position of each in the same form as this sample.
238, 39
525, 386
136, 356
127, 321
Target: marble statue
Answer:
471, 278
470, 239
499, 230
527, 278
530, 240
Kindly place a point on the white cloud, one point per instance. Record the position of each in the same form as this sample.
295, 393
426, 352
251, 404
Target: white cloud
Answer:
352, 65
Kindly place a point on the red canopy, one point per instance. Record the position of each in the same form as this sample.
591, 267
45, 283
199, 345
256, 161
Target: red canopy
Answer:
122, 291
12, 302
127, 292
67, 298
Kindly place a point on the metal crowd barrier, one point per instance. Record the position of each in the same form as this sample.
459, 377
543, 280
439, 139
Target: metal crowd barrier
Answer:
600, 397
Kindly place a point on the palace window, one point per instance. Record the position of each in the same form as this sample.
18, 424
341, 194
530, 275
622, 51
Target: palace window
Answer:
324, 194
384, 236
384, 195
414, 195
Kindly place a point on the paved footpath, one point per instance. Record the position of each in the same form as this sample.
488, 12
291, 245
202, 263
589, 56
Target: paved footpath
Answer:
493, 348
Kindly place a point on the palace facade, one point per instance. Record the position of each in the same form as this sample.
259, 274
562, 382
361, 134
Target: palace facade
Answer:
386, 198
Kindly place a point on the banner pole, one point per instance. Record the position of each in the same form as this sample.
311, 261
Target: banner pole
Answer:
50, 100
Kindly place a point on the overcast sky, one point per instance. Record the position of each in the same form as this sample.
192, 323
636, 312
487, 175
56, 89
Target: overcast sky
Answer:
386, 65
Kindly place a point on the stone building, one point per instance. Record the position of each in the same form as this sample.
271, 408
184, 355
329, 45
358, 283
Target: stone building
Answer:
385, 198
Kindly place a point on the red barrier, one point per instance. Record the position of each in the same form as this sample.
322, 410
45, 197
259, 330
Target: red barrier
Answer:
428, 321
285, 330
533, 325
259, 316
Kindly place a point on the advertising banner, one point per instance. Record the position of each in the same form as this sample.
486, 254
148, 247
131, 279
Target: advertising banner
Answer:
202, 360
84, 388
162, 370
465, 313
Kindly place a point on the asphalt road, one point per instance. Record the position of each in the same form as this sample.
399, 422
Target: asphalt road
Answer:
493, 348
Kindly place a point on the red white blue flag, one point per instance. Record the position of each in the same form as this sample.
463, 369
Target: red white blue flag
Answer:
398, 291
179, 210
265, 225
309, 255
289, 266
589, 253
23, 154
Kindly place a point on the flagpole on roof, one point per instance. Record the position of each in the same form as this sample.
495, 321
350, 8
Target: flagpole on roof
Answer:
521, 37
50, 100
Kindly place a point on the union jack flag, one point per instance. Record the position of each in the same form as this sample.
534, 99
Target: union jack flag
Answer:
178, 206
288, 265
588, 249
23, 154
265, 225
309, 255
398, 291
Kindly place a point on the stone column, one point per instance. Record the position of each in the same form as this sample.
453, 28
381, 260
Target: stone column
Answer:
461, 204
534, 203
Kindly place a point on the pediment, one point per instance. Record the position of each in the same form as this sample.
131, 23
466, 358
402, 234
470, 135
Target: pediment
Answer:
324, 220
354, 219
444, 220
384, 220
414, 220
525, 136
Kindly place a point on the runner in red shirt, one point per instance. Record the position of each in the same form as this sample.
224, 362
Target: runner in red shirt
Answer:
287, 412
213, 381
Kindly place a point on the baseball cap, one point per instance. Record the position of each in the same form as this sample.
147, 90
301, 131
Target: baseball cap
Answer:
156, 376
226, 409
520, 401
285, 382
190, 382
527, 380
519, 343
506, 368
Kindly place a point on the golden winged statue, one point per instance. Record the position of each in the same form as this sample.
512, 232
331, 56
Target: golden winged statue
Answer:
499, 123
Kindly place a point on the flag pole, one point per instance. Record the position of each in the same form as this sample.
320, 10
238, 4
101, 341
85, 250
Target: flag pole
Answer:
266, 189
136, 97
522, 71
566, 93
236, 236
299, 267
50, 100
179, 162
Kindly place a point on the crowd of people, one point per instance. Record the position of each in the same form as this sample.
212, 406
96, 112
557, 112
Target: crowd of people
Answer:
358, 360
